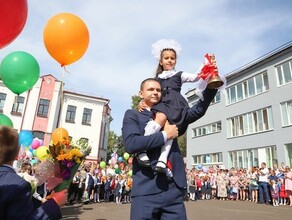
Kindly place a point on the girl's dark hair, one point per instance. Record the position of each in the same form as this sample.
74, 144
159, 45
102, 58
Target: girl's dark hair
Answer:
159, 69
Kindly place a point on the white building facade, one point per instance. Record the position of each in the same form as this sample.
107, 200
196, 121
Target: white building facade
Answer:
47, 106
252, 122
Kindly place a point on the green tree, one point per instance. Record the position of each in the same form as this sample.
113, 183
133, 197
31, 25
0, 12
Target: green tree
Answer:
81, 143
115, 143
135, 101
182, 142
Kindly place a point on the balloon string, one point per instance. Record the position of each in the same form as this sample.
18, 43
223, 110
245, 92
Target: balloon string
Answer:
16, 99
62, 93
65, 70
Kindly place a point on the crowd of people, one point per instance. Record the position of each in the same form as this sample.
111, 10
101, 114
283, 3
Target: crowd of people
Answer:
258, 184
239, 184
92, 184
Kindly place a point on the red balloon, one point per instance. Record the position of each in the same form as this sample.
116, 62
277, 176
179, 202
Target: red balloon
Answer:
13, 17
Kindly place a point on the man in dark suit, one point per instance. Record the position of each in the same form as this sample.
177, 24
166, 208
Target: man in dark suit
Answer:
158, 196
15, 192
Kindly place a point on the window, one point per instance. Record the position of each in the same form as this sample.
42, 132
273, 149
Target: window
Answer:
86, 118
284, 73
253, 86
17, 107
71, 112
286, 112
2, 101
249, 123
208, 158
207, 129
239, 92
250, 157
217, 98
289, 154
259, 84
43, 109
39, 134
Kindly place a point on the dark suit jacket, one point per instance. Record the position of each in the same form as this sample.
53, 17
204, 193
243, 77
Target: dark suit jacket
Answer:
145, 181
16, 201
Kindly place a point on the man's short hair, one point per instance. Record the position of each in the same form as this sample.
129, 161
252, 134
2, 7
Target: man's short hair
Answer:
146, 80
9, 147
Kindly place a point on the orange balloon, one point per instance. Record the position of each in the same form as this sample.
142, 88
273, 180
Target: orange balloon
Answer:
60, 136
66, 38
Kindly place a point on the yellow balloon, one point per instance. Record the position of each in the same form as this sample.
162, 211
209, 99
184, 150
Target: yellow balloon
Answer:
43, 153
66, 38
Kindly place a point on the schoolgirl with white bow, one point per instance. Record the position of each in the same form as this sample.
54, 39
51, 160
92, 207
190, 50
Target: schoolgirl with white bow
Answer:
173, 106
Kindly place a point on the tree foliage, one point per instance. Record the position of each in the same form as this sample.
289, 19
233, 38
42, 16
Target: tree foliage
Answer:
81, 143
135, 101
115, 142
182, 143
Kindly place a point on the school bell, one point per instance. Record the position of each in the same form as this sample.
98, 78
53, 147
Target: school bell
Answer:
215, 80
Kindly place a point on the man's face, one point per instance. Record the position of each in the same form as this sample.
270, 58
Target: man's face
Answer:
151, 93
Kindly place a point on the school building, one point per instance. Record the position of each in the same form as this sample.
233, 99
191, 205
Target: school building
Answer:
252, 122
47, 106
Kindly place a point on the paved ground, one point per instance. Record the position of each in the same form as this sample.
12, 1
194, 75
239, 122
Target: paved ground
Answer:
203, 209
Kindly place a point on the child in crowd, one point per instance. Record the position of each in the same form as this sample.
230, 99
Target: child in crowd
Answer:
97, 187
118, 189
127, 189
26, 173
213, 184
207, 184
274, 192
89, 183
107, 188
173, 106
15, 199
192, 187
283, 195
253, 185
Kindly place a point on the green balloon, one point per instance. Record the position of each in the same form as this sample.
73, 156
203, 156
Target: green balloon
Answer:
19, 71
102, 164
117, 171
6, 121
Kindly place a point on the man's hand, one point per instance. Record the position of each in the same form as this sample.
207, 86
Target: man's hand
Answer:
142, 106
60, 197
171, 130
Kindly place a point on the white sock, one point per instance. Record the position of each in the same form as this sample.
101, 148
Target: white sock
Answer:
151, 128
164, 154
143, 156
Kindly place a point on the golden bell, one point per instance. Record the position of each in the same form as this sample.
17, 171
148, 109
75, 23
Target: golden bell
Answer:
214, 82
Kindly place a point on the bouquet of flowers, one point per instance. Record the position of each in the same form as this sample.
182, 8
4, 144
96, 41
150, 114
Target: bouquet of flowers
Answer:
67, 161
62, 161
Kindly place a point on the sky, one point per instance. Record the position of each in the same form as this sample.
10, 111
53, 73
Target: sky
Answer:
121, 33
